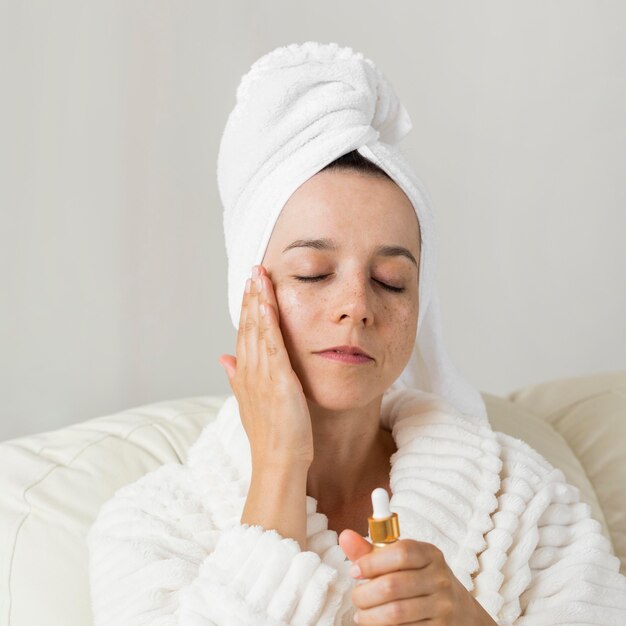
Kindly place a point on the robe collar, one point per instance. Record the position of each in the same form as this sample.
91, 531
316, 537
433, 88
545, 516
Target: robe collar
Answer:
444, 475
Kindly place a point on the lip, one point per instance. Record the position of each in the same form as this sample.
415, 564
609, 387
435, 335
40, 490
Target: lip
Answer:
347, 349
344, 357
343, 353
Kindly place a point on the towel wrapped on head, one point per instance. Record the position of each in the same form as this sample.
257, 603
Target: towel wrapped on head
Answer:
299, 108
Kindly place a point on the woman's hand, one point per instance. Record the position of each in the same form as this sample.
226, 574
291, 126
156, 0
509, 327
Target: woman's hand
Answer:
409, 583
272, 404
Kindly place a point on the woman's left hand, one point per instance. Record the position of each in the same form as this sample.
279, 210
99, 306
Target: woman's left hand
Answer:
408, 581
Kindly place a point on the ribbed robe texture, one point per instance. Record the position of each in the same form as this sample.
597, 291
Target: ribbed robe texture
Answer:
169, 548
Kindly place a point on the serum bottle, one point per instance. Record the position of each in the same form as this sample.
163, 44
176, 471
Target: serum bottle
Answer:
384, 527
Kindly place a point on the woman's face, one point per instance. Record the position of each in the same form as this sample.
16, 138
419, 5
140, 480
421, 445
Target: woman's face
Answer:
350, 305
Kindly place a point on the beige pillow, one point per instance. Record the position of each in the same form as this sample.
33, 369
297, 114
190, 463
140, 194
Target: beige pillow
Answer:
589, 412
514, 420
52, 485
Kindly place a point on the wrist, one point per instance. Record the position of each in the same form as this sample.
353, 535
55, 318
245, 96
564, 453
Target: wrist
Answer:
279, 466
277, 499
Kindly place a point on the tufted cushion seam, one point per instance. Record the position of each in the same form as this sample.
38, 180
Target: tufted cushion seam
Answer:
594, 396
14, 443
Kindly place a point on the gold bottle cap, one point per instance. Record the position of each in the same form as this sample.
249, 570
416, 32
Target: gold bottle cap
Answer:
385, 530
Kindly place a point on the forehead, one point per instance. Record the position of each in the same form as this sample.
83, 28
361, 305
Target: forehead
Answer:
352, 208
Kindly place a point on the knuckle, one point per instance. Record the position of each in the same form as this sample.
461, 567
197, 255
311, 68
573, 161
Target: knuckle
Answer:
389, 586
249, 325
272, 350
281, 385
443, 583
396, 612
404, 554
436, 553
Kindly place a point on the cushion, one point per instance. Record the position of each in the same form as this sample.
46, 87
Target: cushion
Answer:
589, 412
51, 488
518, 422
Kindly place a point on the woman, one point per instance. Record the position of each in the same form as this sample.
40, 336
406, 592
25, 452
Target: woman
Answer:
263, 522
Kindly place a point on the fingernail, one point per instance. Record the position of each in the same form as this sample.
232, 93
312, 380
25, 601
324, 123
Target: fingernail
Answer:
356, 618
248, 285
255, 271
355, 571
258, 284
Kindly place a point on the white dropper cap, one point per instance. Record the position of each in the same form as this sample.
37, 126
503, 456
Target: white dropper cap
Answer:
380, 502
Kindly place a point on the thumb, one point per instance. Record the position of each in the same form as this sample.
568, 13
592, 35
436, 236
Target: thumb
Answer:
354, 546
229, 363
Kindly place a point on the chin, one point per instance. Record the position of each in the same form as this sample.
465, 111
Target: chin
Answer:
337, 393
338, 402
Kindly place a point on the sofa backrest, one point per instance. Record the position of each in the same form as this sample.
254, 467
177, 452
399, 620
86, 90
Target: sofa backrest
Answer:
51, 488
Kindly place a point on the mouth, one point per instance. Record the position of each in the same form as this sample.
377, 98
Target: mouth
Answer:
346, 354
345, 358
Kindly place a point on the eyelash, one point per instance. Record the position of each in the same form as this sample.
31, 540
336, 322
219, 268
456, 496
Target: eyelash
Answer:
313, 279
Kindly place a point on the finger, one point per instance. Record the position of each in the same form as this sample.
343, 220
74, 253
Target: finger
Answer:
354, 546
229, 363
274, 359
403, 554
241, 335
270, 294
409, 583
420, 610
267, 348
251, 329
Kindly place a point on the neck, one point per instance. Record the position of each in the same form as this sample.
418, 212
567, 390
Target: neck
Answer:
352, 453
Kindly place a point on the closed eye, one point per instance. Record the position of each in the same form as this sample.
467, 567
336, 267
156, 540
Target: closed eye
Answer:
312, 279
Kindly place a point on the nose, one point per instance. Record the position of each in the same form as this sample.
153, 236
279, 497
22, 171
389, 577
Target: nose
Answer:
354, 301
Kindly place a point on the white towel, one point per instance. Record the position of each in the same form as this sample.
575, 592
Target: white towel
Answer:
299, 108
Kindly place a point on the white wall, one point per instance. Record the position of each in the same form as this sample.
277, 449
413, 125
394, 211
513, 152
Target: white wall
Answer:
112, 261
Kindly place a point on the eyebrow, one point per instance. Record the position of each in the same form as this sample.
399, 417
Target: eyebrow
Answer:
329, 244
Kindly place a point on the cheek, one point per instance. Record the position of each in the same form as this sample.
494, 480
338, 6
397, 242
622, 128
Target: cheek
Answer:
401, 328
296, 309
291, 301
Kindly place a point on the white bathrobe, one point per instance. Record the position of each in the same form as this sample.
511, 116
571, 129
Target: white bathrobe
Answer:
168, 549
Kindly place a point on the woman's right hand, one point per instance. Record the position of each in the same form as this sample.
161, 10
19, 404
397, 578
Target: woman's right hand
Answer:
272, 404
